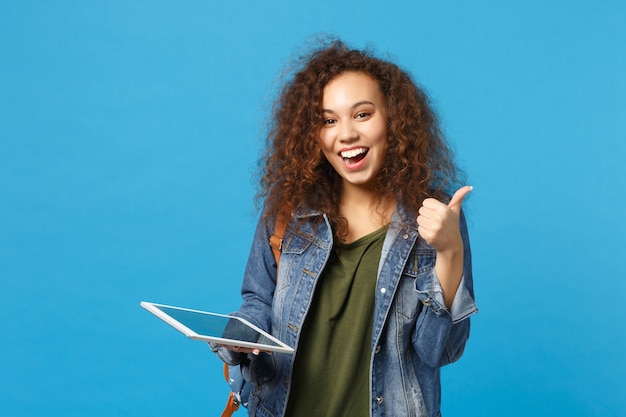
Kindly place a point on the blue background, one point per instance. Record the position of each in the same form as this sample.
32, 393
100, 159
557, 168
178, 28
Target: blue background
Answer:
129, 134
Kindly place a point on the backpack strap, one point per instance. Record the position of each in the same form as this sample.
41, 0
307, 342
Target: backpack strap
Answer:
276, 240
232, 404
276, 243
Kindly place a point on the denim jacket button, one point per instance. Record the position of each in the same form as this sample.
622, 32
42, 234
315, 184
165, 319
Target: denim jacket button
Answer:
426, 302
383, 290
405, 236
379, 400
377, 349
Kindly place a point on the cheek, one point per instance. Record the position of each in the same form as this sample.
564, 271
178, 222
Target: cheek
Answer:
325, 143
381, 134
327, 155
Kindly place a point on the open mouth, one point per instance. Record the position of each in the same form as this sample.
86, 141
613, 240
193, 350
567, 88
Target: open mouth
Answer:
353, 156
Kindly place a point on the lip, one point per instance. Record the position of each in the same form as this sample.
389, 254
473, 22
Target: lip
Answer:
355, 166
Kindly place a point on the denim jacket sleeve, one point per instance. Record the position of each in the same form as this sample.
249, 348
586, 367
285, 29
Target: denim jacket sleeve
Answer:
449, 328
259, 283
257, 293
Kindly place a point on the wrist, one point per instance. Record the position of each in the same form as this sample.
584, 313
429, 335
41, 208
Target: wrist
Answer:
451, 252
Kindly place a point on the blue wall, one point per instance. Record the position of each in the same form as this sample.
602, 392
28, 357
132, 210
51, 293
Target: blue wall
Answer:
129, 133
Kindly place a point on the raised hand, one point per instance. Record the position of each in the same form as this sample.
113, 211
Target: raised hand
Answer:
438, 225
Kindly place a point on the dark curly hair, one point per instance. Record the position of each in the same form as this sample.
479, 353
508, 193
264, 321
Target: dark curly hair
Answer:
294, 172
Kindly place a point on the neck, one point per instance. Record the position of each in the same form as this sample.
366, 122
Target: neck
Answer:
364, 210
355, 195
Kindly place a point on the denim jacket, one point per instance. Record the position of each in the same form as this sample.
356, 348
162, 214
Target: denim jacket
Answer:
413, 334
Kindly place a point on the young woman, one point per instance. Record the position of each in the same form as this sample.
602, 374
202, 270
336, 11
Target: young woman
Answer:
374, 286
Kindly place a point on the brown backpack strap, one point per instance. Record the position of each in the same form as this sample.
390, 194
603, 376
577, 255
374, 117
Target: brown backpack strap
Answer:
276, 240
232, 404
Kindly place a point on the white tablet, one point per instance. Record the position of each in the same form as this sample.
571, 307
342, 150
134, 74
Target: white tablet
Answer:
218, 328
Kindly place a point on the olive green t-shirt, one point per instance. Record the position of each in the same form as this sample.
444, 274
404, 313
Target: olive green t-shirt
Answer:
331, 370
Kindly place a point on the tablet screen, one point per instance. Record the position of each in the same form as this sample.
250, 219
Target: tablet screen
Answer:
219, 328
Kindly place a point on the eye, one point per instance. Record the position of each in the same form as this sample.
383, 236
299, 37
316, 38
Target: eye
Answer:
362, 115
329, 121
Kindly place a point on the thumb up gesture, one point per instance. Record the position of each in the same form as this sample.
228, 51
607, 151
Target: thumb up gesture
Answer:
438, 223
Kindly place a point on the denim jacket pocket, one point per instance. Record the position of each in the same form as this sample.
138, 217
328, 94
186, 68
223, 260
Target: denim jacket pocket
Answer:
296, 243
294, 246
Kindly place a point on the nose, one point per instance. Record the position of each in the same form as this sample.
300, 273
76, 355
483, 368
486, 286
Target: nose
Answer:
347, 132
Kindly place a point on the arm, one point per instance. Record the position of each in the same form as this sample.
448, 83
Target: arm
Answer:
445, 326
259, 283
439, 226
257, 291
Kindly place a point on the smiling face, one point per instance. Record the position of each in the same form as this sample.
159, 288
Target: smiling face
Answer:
353, 137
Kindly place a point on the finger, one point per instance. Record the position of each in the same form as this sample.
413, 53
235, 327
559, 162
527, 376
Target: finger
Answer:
429, 222
424, 233
459, 195
432, 203
432, 211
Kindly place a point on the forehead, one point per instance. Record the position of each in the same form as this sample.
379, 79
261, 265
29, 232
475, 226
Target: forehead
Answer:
350, 87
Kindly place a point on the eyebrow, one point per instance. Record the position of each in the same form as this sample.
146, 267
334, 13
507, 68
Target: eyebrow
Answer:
354, 106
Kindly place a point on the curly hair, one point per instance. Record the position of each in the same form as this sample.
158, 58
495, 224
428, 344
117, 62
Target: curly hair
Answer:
293, 170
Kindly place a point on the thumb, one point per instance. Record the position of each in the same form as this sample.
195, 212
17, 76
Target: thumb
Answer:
457, 198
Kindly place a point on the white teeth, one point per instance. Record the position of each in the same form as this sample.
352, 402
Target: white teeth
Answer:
353, 152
